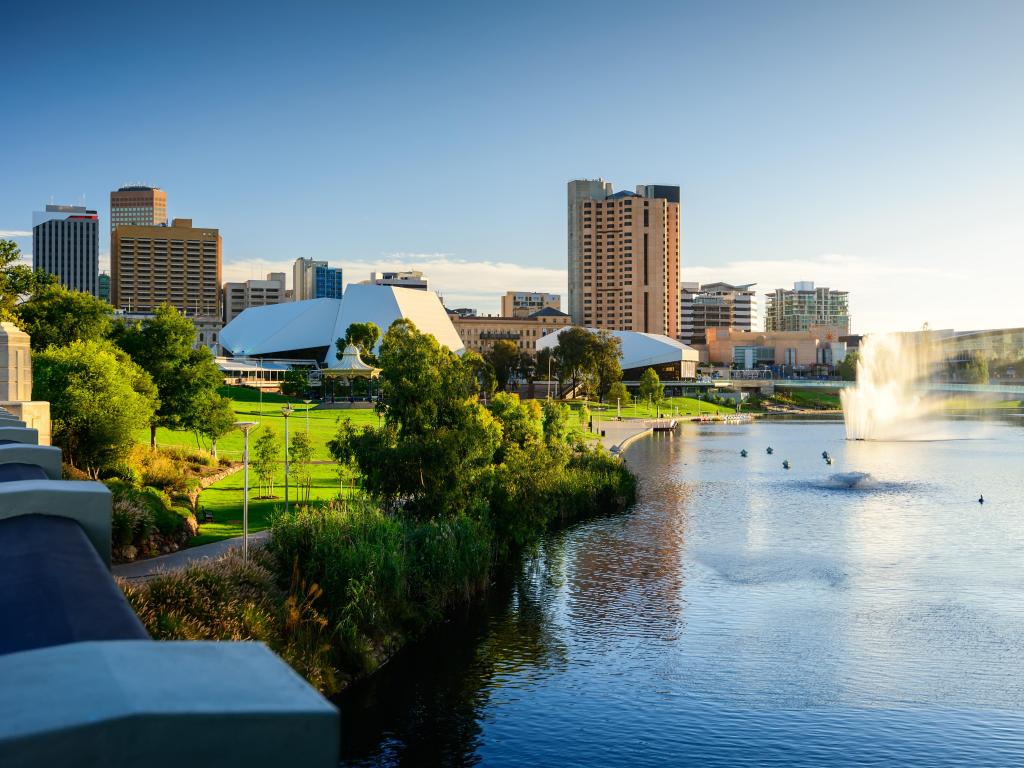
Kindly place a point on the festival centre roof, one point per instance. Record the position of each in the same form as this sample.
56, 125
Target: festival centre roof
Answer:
280, 330
639, 350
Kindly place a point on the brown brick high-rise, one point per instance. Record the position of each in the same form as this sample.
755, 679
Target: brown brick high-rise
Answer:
624, 261
138, 206
178, 265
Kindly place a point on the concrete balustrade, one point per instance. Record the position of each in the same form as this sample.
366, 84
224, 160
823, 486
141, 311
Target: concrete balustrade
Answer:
19, 434
162, 705
47, 457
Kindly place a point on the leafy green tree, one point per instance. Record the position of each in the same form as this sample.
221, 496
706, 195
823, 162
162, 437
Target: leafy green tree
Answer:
162, 346
433, 452
847, 368
300, 454
295, 383
98, 399
555, 417
214, 418
17, 280
504, 359
527, 366
975, 370
520, 421
651, 388
341, 449
617, 393
572, 353
545, 358
365, 336
602, 360
55, 316
482, 373
265, 458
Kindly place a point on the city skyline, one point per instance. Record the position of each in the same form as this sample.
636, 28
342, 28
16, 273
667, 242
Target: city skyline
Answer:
888, 166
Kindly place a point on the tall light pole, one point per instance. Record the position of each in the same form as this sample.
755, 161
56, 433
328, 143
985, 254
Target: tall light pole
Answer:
286, 412
550, 355
307, 402
246, 427
618, 408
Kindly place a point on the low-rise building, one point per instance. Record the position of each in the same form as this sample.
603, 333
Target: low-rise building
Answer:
714, 305
238, 297
795, 350
479, 333
524, 304
412, 279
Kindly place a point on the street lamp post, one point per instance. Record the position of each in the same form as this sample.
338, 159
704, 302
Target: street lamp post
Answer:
618, 408
246, 427
549, 374
286, 412
307, 402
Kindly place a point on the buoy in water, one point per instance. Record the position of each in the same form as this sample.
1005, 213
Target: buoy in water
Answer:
743, 452
824, 454
785, 463
770, 450
828, 460
981, 499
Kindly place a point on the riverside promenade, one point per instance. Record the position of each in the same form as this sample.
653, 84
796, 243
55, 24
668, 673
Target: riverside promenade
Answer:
619, 434
144, 570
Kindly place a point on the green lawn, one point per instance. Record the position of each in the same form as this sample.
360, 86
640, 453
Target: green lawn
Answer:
672, 406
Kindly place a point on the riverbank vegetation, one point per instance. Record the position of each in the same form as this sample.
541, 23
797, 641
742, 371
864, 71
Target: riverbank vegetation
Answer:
451, 489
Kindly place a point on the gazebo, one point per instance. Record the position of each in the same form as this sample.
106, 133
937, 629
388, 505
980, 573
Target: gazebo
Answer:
351, 367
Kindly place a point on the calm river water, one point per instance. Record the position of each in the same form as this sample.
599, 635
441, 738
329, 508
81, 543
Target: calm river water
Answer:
742, 614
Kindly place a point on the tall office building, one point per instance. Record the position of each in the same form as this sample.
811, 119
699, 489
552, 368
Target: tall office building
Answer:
524, 304
104, 287
624, 257
238, 297
316, 280
66, 243
806, 305
714, 305
178, 265
138, 206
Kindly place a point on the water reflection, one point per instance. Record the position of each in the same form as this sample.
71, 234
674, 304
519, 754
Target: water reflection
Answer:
742, 614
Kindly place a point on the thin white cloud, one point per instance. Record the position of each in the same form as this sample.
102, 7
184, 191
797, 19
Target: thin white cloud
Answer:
462, 282
15, 233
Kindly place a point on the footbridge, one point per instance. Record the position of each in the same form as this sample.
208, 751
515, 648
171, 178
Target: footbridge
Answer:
767, 384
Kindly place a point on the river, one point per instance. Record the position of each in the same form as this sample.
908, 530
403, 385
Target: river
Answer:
742, 614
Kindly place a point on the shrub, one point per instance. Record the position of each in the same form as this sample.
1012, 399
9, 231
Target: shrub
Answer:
131, 522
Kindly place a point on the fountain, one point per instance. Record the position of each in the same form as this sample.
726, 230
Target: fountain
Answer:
887, 402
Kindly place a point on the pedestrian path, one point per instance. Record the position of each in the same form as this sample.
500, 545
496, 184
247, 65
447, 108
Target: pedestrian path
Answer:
143, 570
618, 434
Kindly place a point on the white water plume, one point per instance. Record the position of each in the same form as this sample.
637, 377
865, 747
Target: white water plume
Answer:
888, 401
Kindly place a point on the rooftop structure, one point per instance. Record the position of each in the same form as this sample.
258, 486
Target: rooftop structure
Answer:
669, 357
308, 329
412, 279
805, 305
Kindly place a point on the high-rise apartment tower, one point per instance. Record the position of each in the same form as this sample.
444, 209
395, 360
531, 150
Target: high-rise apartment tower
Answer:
66, 243
316, 280
624, 257
138, 206
178, 265
714, 305
806, 305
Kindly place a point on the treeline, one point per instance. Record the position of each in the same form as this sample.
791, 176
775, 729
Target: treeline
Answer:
106, 379
452, 488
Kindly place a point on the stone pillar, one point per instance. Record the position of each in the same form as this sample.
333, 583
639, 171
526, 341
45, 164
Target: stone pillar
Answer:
16, 381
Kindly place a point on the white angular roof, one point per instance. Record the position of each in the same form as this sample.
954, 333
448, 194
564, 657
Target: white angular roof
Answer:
294, 325
639, 350
279, 328
383, 304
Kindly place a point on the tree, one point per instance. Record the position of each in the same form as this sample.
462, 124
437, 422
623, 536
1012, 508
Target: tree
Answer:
365, 336
975, 370
651, 388
55, 316
555, 418
301, 453
162, 346
847, 368
433, 452
267, 450
602, 360
618, 394
520, 421
17, 280
504, 359
296, 382
482, 372
341, 449
572, 352
215, 418
98, 399
546, 361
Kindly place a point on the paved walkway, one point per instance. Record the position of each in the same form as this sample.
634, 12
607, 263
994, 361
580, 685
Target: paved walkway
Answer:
143, 570
618, 433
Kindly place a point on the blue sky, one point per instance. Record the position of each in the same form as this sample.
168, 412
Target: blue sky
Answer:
876, 147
